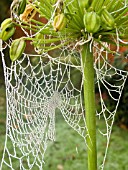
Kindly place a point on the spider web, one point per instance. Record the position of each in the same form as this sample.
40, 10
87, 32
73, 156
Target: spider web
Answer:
38, 84
110, 80
34, 89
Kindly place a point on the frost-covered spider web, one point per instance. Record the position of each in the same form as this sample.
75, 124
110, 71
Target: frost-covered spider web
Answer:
38, 84
35, 87
110, 80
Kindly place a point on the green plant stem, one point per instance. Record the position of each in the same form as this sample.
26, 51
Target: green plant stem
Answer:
89, 100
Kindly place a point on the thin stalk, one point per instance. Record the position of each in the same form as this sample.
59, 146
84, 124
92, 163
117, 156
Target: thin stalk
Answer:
89, 100
46, 49
37, 22
52, 40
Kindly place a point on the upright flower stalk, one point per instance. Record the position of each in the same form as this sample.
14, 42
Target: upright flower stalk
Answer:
89, 101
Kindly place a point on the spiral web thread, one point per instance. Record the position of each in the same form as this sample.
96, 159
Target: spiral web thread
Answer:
38, 84
112, 81
33, 94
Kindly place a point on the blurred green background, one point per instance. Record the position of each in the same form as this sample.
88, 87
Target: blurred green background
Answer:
69, 151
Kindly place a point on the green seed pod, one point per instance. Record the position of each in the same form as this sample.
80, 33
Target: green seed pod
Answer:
84, 3
59, 22
6, 22
7, 32
17, 48
22, 6
7, 29
17, 7
107, 19
92, 22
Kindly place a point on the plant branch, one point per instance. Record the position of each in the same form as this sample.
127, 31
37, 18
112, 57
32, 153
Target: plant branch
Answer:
89, 100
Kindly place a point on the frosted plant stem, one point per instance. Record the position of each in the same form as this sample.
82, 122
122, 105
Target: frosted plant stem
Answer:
89, 100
